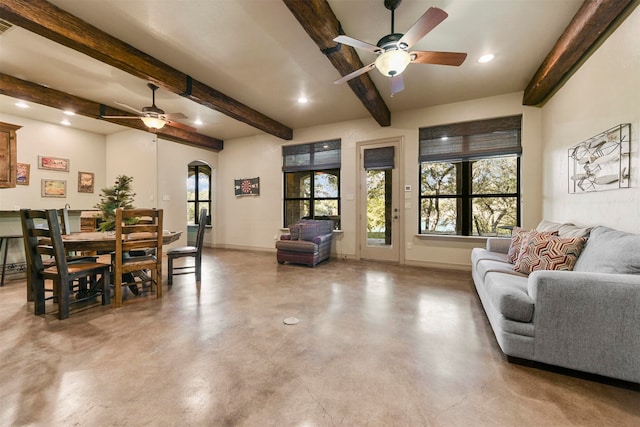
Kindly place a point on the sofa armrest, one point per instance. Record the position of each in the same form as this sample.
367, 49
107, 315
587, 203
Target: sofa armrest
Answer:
498, 244
587, 321
318, 240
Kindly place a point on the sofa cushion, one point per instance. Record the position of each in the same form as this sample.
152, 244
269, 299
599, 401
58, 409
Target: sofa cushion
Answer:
508, 293
307, 229
610, 251
540, 252
478, 254
485, 266
296, 246
564, 230
518, 236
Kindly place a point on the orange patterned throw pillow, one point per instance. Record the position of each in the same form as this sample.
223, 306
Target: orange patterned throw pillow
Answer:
517, 237
540, 252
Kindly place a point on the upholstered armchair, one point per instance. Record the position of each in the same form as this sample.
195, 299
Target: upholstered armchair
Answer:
308, 242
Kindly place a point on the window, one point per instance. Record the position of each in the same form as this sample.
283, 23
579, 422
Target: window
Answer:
470, 177
198, 191
311, 181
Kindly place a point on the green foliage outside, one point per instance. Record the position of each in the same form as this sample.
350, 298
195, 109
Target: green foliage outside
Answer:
112, 198
491, 215
376, 221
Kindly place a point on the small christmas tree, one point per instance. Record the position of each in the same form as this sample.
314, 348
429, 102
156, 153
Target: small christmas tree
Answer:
118, 196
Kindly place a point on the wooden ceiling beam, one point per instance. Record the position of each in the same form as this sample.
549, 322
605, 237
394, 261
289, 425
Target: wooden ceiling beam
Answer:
594, 19
32, 92
319, 21
47, 20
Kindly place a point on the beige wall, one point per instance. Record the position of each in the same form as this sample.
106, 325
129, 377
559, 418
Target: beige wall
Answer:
85, 151
158, 168
255, 222
603, 93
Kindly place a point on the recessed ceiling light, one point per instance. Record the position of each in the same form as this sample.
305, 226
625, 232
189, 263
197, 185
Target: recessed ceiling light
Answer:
21, 104
302, 100
197, 122
65, 122
69, 113
486, 58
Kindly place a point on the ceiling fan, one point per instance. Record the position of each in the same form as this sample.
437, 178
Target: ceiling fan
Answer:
154, 117
393, 49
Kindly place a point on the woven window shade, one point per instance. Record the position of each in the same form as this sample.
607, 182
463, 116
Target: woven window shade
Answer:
379, 158
314, 156
471, 140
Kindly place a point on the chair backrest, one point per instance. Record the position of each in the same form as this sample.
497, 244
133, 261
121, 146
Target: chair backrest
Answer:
32, 236
201, 227
138, 229
65, 224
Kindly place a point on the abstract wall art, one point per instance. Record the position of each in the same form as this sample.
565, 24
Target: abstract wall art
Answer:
602, 162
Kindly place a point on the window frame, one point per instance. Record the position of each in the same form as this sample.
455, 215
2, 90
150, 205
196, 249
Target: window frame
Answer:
463, 154
316, 164
196, 167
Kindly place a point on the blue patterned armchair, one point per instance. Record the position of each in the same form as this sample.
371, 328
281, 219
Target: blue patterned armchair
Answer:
309, 242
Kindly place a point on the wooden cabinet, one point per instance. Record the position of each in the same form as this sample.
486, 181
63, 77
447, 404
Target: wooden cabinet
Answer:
8, 154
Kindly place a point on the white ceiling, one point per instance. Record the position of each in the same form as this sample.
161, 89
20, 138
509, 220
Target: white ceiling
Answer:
256, 52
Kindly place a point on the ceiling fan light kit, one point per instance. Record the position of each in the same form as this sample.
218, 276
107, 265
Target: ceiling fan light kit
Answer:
393, 62
153, 122
393, 49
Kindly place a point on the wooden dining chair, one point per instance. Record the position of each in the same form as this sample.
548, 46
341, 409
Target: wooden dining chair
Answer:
72, 257
188, 251
66, 277
144, 237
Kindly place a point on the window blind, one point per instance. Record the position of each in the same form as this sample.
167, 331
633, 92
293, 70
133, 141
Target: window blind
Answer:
471, 140
379, 158
313, 156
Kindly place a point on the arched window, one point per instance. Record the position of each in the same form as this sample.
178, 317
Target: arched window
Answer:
198, 191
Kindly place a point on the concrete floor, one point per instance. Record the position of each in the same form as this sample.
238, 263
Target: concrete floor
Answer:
376, 345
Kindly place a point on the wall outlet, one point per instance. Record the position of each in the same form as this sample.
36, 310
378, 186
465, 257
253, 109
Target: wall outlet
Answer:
409, 245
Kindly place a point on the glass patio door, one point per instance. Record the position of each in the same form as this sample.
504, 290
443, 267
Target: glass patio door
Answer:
379, 211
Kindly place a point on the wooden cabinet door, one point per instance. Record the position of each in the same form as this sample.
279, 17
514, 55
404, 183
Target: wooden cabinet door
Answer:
8, 155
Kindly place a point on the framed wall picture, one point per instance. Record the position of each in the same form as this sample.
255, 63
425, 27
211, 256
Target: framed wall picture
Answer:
54, 188
602, 162
53, 163
22, 173
85, 182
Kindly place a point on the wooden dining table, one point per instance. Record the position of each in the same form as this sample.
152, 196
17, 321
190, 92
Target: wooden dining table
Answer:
103, 241
99, 242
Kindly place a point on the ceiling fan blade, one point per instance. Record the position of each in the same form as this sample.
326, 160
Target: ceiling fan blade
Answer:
119, 117
128, 107
397, 84
427, 22
181, 126
439, 58
356, 73
175, 116
350, 41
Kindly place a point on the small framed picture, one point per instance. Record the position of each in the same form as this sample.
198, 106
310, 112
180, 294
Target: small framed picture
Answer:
53, 163
22, 173
85, 182
54, 188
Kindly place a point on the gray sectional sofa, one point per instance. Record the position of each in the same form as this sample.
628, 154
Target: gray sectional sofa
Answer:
587, 319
